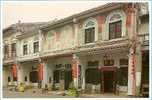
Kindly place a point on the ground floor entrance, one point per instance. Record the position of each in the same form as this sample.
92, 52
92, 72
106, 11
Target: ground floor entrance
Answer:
64, 76
108, 79
145, 73
68, 79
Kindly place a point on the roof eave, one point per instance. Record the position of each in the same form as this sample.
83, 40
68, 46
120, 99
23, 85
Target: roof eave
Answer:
82, 15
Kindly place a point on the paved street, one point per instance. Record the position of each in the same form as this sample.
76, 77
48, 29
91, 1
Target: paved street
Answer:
51, 94
31, 94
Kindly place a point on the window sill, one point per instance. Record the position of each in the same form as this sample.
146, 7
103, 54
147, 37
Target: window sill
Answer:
90, 43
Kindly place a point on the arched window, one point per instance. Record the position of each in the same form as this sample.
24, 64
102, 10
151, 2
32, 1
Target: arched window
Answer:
90, 30
115, 25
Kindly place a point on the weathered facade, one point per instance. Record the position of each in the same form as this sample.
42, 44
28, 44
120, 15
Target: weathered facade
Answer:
104, 49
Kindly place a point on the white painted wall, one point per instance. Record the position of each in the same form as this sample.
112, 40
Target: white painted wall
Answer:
29, 41
6, 74
25, 69
65, 40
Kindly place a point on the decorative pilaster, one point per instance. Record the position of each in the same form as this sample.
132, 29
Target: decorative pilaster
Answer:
42, 73
75, 64
131, 73
20, 73
138, 68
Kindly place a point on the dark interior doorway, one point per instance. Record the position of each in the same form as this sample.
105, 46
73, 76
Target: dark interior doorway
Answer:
64, 75
145, 74
33, 76
68, 79
108, 81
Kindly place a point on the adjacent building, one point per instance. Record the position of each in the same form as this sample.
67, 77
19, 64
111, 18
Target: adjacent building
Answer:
104, 49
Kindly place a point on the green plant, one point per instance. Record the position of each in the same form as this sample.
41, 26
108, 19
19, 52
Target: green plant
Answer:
72, 91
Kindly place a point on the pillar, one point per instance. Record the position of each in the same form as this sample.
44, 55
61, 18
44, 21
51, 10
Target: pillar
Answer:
75, 63
133, 61
45, 76
20, 78
131, 74
138, 68
83, 74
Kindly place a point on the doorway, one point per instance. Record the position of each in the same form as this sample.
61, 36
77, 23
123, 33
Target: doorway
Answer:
68, 79
145, 74
108, 81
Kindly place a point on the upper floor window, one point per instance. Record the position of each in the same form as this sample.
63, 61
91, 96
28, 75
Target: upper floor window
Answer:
6, 51
115, 25
36, 47
25, 49
115, 30
90, 30
13, 49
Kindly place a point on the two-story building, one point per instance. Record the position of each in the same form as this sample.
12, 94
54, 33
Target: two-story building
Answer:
21, 53
104, 42
104, 49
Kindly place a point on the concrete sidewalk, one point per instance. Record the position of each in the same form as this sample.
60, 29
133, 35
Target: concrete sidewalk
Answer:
37, 93
105, 95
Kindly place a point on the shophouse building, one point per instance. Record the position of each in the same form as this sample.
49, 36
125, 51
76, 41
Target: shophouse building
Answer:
104, 49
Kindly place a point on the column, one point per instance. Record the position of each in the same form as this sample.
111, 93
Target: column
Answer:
138, 68
131, 73
20, 78
75, 64
83, 74
132, 32
45, 76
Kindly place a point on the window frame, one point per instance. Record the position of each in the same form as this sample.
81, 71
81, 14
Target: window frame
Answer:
6, 51
115, 33
13, 52
95, 26
34, 49
123, 26
88, 36
121, 69
26, 49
